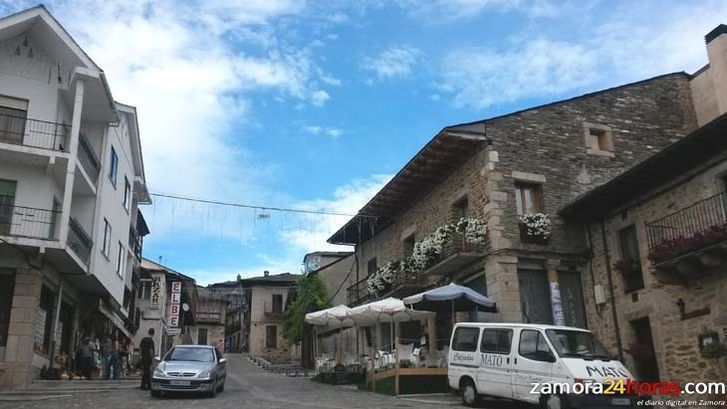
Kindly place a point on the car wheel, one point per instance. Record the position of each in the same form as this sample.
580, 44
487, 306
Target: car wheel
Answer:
213, 392
222, 387
553, 402
469, 394
156, 394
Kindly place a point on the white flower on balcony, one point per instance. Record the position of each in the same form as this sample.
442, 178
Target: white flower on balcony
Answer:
474, 230
536, 224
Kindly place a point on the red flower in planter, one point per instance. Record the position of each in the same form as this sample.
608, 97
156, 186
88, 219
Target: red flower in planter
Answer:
683, 244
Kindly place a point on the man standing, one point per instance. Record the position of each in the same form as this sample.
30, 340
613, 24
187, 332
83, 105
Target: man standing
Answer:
106, 357
147, 355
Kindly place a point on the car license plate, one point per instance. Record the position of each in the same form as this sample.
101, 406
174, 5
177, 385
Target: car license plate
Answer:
180, 383
620, 401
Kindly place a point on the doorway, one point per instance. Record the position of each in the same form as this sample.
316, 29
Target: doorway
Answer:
535, 297
647, 369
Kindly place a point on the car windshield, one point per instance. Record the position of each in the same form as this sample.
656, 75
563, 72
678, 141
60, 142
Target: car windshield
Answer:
577, 344
191, 354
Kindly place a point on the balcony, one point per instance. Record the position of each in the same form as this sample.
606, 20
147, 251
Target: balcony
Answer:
34, 133
27, 222
358, 293
456, 255
689, 243
273, 312
88, 159
79, 241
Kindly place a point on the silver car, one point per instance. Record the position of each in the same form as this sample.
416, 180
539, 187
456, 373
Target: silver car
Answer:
190, 368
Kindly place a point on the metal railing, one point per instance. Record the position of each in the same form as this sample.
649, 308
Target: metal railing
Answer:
88, 159
359, 293
273, 311
693, 226
33, 132
79, 240
21, 221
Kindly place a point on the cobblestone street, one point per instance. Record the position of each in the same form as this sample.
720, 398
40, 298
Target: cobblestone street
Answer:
247, 386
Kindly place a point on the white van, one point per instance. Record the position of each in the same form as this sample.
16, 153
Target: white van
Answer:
509, 360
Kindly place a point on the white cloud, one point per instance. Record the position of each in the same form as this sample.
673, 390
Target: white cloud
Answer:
395, 62
638, 42
438, 11
323, 130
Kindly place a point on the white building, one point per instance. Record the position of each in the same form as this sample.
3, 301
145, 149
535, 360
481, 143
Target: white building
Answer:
71, 177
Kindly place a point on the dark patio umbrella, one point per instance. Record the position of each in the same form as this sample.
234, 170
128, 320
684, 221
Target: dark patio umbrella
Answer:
451, 298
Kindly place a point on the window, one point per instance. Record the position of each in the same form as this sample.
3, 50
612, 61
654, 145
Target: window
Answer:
496, 341
408, 245
120, 261
465, 339
202, 336
461, 209
599, 139
277, 303
528, 198
13, 113
145, 290
534, 346
114, 166
106, 248
127, 194
633, 278
271, 336
371, 267
7, 286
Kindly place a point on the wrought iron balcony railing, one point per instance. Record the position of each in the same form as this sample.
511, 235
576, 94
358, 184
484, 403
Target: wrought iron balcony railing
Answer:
79, 240
696, 226
21, 221
88, 159
359, 293
33, 132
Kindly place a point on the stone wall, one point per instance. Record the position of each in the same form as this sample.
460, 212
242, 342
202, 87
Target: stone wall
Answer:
675, 340
545, 144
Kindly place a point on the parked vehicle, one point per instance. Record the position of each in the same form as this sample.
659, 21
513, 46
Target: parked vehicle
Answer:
190, 368
507, 360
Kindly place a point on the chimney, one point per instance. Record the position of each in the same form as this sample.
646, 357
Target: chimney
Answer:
717, 52
266, 273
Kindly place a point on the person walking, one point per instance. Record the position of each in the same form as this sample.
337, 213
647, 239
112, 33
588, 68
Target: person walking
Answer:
221, 346
86, 356
123, 357
147, 355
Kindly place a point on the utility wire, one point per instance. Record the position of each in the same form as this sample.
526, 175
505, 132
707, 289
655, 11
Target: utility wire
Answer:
246, 206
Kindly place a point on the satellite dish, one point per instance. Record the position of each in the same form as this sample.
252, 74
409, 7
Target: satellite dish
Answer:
185, 307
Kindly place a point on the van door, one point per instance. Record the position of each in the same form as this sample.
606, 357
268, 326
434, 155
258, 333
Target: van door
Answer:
463, 360
532, 364
494, 377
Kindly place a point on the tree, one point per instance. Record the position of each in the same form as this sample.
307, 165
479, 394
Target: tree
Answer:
309, 296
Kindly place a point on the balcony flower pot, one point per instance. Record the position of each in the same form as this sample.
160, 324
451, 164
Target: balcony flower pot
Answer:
527, 237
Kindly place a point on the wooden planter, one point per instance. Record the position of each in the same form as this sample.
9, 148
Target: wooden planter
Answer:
529, 238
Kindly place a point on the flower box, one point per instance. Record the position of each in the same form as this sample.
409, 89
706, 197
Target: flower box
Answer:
675, 247
526, 237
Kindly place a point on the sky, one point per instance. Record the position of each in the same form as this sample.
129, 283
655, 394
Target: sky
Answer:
316, 104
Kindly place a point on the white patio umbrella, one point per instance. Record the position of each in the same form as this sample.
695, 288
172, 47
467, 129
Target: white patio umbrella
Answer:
389, 310
334, 316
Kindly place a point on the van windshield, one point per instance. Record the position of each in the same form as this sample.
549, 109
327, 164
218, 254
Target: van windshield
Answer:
576, 344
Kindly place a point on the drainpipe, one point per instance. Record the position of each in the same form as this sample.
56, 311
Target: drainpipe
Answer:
607, 254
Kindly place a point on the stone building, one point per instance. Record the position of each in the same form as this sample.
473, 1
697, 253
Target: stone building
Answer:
656, 284
534, 161
209, 318
267, 298
154, 302
235, 307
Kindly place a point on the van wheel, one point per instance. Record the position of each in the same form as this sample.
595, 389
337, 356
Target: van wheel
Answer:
469, 393
553, 402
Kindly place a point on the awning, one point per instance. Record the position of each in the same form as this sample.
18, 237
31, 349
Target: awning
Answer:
116, 320
331, 317
386, 310
452, 296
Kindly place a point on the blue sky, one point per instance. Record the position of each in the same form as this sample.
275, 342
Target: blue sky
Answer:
315, 104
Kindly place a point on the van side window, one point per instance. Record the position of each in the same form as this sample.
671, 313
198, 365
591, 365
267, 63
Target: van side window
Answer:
533, 345
496, 341
465, 339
